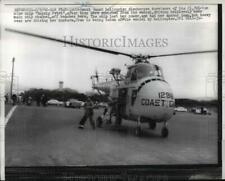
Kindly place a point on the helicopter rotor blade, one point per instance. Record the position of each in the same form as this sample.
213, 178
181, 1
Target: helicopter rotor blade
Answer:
134, 57
68, 42
183, 53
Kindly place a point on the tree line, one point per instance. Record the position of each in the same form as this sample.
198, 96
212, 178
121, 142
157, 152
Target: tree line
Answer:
61, 95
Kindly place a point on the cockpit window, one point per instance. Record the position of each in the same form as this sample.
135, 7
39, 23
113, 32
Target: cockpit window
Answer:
141, 71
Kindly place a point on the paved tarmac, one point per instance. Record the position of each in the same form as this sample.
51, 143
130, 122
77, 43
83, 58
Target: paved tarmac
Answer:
38, 136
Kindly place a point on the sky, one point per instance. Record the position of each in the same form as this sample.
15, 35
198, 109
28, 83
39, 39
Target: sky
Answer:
42, 64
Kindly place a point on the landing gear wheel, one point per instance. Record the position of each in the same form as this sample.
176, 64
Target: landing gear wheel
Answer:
99, 122
138, 131
152, 125
165, 132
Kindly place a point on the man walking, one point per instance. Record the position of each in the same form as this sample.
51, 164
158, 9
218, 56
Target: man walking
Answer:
88, 114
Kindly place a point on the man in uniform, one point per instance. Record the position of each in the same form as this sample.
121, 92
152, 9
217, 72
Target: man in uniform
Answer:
14, 99
88, 114
44, 100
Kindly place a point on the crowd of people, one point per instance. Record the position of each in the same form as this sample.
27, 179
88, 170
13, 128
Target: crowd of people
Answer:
25, 100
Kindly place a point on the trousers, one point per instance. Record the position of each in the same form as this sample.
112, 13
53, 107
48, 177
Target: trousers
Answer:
84, 119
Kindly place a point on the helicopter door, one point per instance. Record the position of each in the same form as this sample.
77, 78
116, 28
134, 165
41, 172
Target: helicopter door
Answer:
122, 99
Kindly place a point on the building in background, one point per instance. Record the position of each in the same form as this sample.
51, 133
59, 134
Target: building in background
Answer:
61, 85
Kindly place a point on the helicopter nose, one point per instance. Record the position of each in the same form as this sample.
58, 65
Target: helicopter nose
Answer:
155, 100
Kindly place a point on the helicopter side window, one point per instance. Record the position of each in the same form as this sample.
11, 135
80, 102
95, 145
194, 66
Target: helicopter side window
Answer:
134, 75
128, 74
158, 71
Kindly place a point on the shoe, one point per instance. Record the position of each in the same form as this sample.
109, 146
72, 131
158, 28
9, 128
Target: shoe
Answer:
81, 127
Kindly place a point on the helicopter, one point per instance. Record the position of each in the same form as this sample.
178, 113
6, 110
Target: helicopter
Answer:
142, 95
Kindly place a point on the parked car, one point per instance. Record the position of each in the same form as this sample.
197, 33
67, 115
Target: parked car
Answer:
102, 105
54, 102
202, 110
181, 109
74, 103
197, 111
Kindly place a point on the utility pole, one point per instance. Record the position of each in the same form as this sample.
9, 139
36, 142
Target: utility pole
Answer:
11, 87
2, 127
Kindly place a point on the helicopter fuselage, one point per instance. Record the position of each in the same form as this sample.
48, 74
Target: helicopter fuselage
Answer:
144, 94
149, 98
